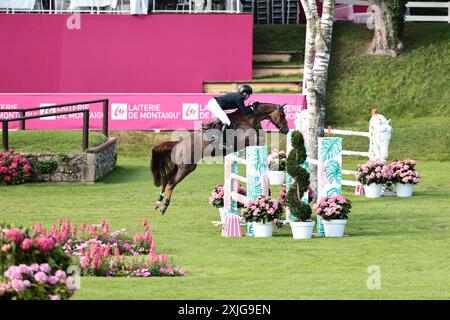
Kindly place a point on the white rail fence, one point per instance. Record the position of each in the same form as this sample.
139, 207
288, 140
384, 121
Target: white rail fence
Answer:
408, 16
352, 173
446, 5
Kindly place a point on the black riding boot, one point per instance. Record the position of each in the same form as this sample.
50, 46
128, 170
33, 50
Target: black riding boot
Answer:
224, 136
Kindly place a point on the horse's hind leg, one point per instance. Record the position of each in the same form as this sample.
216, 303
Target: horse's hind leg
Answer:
165, 182
161, 196
181, 174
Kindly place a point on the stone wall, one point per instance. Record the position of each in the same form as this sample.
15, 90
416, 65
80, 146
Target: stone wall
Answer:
76, 167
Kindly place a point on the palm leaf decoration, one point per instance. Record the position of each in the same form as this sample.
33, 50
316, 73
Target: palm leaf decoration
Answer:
330, 148
333, 172
333, 191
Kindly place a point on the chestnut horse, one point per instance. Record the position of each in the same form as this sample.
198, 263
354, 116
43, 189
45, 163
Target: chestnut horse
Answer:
172, 161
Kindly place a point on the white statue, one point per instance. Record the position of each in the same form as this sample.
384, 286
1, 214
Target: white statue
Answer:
380, 135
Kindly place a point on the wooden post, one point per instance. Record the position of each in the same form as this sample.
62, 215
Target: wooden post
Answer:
5, 135
85, 130
105, 117
22, 122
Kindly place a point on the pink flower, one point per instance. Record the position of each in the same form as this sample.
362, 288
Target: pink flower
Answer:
26, 244
13, 272
34, 267
19, 285
45, 244
55, 297
53, 280
45, 267
60, 274
41, 277
6, 247
14, 235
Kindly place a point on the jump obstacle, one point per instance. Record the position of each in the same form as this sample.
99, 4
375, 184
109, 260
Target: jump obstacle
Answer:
329, 172
257, 180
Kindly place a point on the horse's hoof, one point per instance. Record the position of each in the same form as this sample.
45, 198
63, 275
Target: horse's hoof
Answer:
157, 205
163, 210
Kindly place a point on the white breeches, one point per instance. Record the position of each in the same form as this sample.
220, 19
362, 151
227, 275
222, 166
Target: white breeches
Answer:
216, 110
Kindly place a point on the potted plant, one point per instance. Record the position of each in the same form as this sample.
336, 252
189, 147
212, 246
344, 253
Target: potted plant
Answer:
263, 212
334, 211
216, 200
300, 218
404, 176
373, 175
277, 167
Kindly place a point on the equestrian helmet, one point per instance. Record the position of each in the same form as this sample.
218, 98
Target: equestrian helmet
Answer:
245, 88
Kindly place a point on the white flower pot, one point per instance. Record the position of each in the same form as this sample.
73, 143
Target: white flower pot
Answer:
404, 190
373, 190
262, 230
334, 228
277, 177
302, 230
222, 213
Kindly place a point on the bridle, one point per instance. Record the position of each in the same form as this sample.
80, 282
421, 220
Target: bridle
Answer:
267, 117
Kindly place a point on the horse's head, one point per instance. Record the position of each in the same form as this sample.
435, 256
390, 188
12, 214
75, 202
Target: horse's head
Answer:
275, 113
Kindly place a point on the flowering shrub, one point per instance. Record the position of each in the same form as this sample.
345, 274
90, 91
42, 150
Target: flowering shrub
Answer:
263, 209
334, 207
277, 160
403, 171
31, 266
374, 172
14, 169
216, 198
101, 252
36, 282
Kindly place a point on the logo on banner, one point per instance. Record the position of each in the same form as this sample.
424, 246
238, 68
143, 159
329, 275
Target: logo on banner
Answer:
47, 111
190, 111
119, 111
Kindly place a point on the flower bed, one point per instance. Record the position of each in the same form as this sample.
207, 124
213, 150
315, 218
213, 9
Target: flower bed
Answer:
104, 253
34, 261
14, 169
32, 266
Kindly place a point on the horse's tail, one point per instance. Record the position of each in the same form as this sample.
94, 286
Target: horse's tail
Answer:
161, 164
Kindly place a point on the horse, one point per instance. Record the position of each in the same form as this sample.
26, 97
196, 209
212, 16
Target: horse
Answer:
172, 161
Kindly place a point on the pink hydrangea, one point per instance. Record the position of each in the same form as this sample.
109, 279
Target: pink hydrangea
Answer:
20, 285
41, 277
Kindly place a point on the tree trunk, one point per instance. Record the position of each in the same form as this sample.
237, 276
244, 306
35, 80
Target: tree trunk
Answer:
317, 57
385, 40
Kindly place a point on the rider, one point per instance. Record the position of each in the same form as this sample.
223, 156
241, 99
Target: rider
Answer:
233, 100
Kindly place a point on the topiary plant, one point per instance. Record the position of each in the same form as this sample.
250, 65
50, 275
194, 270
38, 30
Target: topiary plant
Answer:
299, 209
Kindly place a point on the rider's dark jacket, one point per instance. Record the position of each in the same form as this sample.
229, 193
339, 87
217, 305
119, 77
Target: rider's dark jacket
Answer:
232, 101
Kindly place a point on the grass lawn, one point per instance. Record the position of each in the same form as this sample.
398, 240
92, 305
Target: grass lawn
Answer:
406, 238
52, 140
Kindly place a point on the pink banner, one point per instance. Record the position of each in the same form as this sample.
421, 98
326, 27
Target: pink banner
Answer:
123, 53
134, 111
